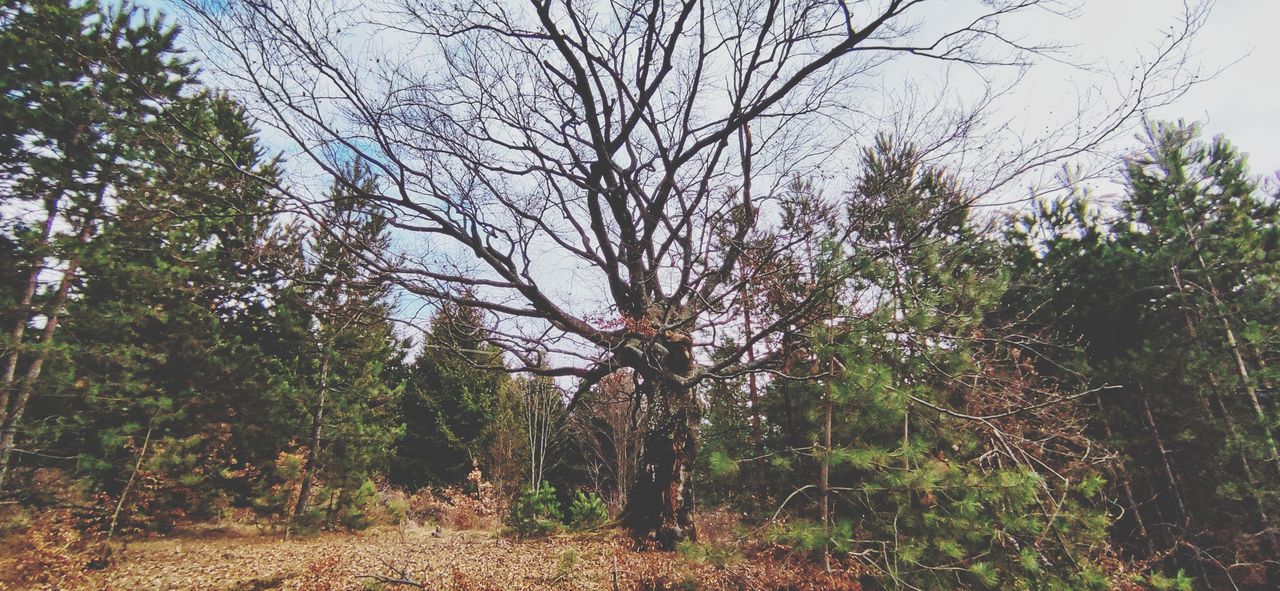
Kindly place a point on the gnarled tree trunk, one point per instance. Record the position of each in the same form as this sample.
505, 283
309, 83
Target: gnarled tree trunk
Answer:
660, 505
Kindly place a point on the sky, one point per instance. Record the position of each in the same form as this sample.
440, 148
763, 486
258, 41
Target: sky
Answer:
1240, 36
1238, 42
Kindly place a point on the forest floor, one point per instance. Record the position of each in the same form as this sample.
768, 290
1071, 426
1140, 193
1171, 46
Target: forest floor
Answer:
244, 560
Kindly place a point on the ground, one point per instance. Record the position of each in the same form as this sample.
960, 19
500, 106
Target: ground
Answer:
243, 560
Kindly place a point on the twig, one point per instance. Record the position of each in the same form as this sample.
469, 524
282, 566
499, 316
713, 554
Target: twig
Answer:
142, 454
960, 415
394, 581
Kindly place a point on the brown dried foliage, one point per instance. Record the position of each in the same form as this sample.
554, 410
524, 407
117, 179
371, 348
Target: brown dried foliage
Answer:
49, 553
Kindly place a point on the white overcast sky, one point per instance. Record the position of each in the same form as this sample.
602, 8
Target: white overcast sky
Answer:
1243, 102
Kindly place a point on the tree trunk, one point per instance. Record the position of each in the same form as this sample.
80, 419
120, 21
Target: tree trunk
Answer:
15, 404
1227, 418
137, 467
757, 431
824, 475
18, 403
1242, 369
313, 452
660, 505
1126, 484
1167, 463
25, 308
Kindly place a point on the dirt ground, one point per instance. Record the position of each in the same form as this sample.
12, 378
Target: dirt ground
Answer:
447, 560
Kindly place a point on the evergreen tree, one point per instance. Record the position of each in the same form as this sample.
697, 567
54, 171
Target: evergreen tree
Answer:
83, 89
930, 453
176, 294
350, 395
449, 401
1171, 296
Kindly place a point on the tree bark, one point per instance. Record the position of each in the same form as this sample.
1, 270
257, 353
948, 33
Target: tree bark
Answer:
313, 452
1167, 463
1126, 484
1227, 417
1242, 369
17, 404
661, 502
757, 431
25, 307
137, 467
824, 475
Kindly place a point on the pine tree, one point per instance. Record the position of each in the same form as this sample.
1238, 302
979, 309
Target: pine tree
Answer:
83, 90
933, 457
173, 292
449, 401
1171, 296
351, 396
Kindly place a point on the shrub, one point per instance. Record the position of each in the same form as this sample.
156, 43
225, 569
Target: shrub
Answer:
395, 507
362, 507
716, 555
587, 511
535, 511
453, 509
278, 492
567, 565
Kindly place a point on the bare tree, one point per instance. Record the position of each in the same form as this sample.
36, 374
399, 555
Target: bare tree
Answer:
609, 424
543, 409
589, 174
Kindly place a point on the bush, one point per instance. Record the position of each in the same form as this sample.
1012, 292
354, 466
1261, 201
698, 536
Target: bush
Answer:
452, 508
716, 555
587, 511
567, 565
535, 512
395, 507
361, 508
278, 492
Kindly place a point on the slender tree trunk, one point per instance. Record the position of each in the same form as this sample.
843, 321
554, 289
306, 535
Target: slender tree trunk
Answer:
1126, 486
25, 307
757, 433
1228, 419
313, 452
1167, 463
626, 444
1266, 384
661, 502
1242, 369
784, 385
137, 466
541, 402
531, 433
18, 403
1254, 489
549, 400
824, 474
